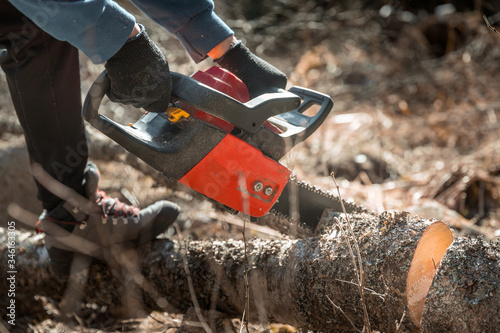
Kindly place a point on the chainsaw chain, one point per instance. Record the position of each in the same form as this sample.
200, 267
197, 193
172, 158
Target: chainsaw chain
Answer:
350, 207
286, 224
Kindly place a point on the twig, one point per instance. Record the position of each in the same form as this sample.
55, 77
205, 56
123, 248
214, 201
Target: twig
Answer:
230, 219
373, 292
398, 325
246, 312
79, 272
361, 278
388, 305
351, 252
342, 311
150, 315
129, 261
293, 202
194, 299
490, 26
80, 322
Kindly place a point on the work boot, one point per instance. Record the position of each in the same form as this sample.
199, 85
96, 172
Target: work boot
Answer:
258, 75
104, 222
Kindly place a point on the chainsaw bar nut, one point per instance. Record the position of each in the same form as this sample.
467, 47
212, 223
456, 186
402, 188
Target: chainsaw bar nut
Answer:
257, 186
268, 190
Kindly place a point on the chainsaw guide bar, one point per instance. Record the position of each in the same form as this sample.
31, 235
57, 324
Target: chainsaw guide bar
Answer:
303, 204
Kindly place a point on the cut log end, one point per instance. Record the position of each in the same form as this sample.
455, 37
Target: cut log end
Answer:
430, 250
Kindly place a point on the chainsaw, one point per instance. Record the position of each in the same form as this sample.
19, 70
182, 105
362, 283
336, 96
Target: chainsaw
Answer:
218, 142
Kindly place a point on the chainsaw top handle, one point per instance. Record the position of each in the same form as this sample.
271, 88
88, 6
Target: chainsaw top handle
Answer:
249, 116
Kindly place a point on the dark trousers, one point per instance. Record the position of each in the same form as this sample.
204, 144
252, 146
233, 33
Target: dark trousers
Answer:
44, 82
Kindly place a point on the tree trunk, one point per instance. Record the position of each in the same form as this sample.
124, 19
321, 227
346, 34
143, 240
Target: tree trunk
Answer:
309, 283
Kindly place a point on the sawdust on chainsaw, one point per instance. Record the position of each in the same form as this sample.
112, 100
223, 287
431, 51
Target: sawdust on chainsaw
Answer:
415, 125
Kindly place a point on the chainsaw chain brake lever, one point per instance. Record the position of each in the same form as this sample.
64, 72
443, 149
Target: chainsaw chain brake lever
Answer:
295, 126
298, 125
249, 116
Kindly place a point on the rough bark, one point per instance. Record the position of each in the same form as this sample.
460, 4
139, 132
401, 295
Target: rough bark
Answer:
309, 283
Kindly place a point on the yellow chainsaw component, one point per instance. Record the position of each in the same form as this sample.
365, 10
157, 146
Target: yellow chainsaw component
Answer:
175, 114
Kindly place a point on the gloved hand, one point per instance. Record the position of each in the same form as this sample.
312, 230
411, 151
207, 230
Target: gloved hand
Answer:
258, 75
139, 75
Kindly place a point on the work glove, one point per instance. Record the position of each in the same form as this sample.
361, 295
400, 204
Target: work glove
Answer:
139, 75
258, 75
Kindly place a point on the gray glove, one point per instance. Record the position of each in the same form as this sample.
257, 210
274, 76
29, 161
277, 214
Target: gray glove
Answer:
139, 75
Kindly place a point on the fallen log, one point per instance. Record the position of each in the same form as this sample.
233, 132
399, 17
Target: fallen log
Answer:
309, 283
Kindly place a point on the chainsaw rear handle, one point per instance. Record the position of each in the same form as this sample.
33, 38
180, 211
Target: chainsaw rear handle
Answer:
249, 116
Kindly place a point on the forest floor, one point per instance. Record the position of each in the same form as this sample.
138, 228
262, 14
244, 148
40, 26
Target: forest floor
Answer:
415, 126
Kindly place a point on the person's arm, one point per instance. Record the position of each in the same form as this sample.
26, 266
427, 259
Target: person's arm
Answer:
135, 31
99, 28
105, 32
193, 22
